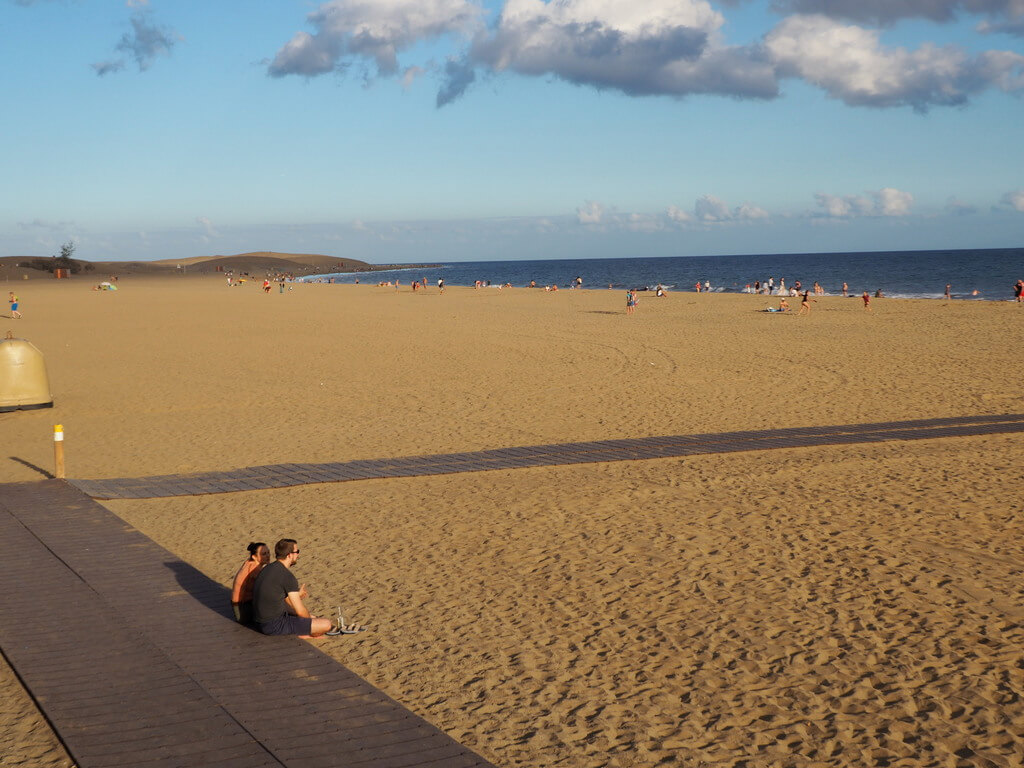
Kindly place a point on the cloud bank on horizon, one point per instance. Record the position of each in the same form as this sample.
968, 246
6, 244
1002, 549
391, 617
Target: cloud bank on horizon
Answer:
672, 48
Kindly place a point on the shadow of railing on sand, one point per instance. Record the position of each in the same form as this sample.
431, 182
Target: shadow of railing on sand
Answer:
33, 467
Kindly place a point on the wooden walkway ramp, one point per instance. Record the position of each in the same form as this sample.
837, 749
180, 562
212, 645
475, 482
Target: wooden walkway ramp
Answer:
133, 658
287, 475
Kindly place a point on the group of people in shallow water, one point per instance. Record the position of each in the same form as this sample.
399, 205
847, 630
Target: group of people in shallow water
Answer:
769, 288
267, 596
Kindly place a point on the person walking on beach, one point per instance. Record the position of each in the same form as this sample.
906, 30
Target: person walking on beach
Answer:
630, 301
440, 284
867, 300
948, 294
805, 304
13, 299
1018, 291
277, 604
846, 290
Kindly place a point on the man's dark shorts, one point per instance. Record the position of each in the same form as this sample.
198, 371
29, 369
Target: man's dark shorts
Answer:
287, 625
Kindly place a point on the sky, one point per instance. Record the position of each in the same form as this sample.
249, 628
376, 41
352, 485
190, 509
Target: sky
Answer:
412, 131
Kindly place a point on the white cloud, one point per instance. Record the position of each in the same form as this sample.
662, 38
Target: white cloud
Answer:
642, 47
893, 202
371, 29
1015, 200
711, 209
850, 64
590, 213
678, 215
662, 47
750, 212
884, 202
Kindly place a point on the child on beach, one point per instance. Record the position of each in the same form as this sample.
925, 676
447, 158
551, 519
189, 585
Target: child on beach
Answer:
867, 301
15, 314
630, 301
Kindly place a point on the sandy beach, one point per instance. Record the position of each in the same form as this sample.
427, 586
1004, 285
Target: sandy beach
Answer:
841, 606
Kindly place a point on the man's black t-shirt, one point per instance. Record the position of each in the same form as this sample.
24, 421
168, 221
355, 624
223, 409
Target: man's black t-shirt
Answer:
271, 588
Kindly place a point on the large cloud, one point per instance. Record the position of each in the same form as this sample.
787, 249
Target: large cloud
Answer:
371, 29
850, 63
662, 47
640, 48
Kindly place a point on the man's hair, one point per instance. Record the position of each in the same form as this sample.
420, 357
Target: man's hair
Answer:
285, 547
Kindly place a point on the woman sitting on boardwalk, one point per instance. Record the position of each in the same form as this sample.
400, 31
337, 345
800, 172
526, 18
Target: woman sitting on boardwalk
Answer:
241, 590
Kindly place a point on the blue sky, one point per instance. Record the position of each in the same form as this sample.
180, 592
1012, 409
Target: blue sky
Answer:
435, 130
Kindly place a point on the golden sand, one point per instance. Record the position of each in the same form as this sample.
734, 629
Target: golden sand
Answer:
842, 606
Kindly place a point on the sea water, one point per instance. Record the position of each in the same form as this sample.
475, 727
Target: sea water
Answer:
987, 274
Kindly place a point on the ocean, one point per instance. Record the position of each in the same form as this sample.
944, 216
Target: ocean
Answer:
987, 275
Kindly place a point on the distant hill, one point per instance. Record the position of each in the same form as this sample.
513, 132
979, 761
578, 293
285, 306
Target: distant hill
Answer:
256, 263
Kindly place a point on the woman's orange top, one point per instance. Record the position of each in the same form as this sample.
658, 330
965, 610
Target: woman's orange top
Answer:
241, 591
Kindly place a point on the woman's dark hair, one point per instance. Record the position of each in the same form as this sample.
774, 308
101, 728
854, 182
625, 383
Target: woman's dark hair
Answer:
254, 547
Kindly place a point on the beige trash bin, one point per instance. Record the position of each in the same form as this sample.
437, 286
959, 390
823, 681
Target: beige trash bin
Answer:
23, 380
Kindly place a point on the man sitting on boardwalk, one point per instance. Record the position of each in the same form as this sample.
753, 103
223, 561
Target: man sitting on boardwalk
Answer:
277, 600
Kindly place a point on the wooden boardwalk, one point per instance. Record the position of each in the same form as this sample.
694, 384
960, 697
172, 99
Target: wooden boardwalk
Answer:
135, 661
133, 657
287, 475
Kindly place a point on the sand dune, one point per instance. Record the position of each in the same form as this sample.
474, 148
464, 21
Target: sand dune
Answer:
842, 606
